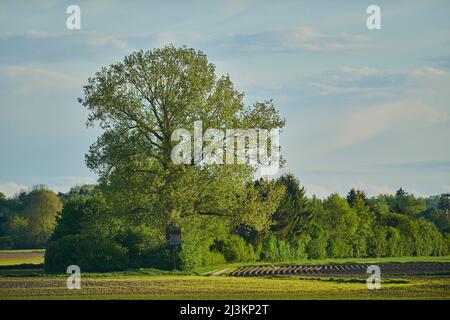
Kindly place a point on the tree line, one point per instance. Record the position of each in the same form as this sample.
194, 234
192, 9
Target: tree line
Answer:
81, 227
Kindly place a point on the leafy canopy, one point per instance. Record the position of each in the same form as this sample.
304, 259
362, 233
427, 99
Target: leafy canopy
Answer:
139, 103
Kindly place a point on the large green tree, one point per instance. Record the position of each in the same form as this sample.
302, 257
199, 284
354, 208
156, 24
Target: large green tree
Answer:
342, 223
41, 210
293, 216
139, 103
29, 218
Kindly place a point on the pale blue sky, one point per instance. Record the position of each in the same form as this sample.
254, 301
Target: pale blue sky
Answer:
367, 109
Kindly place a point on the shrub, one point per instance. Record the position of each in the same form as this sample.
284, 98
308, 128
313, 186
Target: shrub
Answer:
192, 253
90, 253
214, 258
274, 249
234, 248
82, 215
140, 241
184, 257
162, 257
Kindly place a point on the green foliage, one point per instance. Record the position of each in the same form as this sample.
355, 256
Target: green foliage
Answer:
439, 218
223, 214
444, 202
330, 228
198, 236
429, 241
364, 229
316, 238
28, 220
394, 243
41, 210
79, 190
446, 243
84, 215
90, 253
342, 222
139, 102
274, 249
378, 242
379, 206
355, 195
317, 247
293, 215
234, 248
405, 203
140, 241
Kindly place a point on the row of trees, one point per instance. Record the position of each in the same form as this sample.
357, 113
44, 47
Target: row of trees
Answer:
83, 222
299, 228
357, 226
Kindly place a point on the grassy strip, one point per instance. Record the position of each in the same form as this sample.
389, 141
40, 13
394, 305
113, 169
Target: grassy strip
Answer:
22, 251
228, 288
11, 263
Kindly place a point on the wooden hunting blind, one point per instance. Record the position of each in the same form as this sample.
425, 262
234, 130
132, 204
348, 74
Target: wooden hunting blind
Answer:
173, 235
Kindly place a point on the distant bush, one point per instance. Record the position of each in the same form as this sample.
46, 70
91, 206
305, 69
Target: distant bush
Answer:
274, 249
192, 254
235, 248
140, 241
90, 253
162, 257
185, 257
214, 258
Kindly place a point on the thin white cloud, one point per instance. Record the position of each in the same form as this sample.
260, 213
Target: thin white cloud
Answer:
364, 71
317, 190
364, 124
62, 184
427, 72
39, 46
382, 189
328, 89
65, 183
234, 7
179, 38
30, 79
77, 180
10, 188
92, 39
364, 80
291, 40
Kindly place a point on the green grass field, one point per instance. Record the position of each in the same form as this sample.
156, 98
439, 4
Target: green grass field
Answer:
199, 287
16, 283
